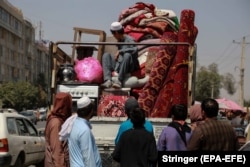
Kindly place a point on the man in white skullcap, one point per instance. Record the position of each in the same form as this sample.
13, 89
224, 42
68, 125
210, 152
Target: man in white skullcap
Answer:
83, 150
123, 62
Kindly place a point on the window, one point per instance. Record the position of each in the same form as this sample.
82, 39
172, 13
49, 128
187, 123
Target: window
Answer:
16, 24
11, 126
12, 56
5, 16
20, 44
23, 131
12, 39
31, 129
2, 69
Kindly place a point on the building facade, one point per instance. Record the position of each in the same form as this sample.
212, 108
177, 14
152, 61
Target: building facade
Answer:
21, 57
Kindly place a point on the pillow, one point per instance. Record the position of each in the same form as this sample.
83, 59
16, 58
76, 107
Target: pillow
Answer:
133, 81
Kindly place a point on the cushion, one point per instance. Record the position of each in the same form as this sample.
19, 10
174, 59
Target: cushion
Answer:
112, 106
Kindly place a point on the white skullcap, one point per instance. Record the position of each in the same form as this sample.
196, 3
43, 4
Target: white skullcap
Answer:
83, 102
116, 26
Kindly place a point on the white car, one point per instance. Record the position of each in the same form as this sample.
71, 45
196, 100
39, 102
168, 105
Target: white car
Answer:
42, 114
20, 143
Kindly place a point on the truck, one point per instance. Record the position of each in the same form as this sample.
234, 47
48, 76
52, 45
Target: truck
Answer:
105, 127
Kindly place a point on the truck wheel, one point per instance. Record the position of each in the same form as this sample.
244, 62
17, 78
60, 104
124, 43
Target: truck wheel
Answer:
19, 162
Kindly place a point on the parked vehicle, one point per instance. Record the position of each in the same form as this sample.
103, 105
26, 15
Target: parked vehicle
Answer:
11, 110
41, 131
42, 114
20, 143
31, 115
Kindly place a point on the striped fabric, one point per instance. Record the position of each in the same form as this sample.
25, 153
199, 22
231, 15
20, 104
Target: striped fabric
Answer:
214, 135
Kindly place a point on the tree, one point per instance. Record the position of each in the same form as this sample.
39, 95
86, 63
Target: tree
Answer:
208, 82
19, 95
42, 82
42, 85
247, 103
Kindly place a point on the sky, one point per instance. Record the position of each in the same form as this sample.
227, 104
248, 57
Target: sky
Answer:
222, 24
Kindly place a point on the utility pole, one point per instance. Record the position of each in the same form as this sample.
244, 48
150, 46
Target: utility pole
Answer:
242, 69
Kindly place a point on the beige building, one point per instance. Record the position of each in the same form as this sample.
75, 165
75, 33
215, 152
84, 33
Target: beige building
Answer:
21, 57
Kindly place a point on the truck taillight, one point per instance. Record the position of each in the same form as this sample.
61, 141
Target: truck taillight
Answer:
4, 147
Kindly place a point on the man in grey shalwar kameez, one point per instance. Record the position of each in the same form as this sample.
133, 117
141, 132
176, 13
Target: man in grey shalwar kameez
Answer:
123, 62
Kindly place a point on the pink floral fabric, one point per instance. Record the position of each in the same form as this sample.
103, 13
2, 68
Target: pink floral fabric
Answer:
112, 106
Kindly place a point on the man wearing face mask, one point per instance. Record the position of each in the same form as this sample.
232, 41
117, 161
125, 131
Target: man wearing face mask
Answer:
81, 142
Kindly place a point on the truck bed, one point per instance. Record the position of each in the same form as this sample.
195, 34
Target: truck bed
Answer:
106, 128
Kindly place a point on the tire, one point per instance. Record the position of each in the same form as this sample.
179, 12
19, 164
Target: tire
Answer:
19, 162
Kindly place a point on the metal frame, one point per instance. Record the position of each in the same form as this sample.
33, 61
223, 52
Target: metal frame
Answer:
64, 58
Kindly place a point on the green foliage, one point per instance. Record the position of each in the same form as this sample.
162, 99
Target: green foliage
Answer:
208, 83
41, 83
247, 103
42, 95
19, 95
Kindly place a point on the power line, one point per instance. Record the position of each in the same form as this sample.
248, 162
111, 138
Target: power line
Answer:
228, 63
227, 58
224, 52
223, 61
